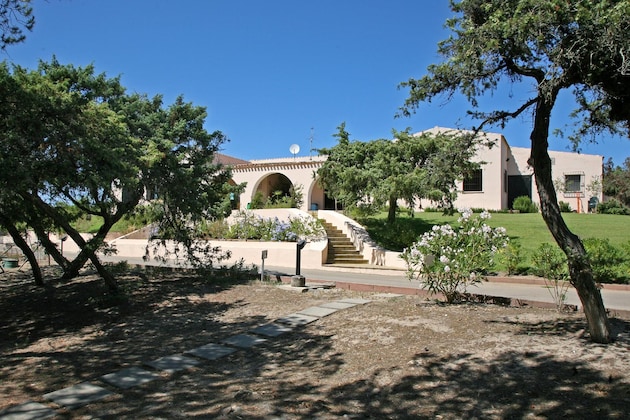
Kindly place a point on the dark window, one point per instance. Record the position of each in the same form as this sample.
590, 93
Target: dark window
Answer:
572, 183
473, 182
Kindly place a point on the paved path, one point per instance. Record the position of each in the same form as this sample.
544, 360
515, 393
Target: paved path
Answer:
616, 297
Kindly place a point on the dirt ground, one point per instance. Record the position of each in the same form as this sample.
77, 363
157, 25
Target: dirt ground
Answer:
396, 357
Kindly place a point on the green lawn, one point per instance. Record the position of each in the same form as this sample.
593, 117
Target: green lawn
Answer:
529, 230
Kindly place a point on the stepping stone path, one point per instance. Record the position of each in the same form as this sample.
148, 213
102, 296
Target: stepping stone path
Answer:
84, 393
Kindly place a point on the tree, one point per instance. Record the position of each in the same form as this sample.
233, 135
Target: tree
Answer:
555, 45
381, 172
15, 17
74, 140
617, 181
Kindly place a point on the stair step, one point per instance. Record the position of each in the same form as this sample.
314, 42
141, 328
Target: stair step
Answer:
341, 249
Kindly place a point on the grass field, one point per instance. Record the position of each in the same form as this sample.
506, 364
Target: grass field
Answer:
529, 230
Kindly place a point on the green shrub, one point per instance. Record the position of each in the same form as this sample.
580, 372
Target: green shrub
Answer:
609, 263
613, 206
513, 258
565, 207
258, 201
550, 263
524, 204
217, 229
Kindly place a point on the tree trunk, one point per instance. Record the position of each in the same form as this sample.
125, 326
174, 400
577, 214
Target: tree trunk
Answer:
579, 267
105, 274
393, 206
50, 247
21, 243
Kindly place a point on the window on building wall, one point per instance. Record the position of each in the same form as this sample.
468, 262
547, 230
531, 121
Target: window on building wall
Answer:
473, 182
573, 183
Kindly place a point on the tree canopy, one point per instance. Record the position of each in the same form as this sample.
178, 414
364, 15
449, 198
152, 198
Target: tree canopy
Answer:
552, 46
617, 181
16, 16
73, 139
380, 172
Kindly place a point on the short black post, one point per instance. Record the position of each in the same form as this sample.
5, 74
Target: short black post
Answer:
300, 244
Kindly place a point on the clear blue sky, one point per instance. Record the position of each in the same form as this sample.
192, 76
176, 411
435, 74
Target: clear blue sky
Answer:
269, 71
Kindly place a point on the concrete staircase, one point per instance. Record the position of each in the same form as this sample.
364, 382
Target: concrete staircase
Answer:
341, 250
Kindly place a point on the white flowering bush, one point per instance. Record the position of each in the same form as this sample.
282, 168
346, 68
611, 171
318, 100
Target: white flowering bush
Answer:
447, 260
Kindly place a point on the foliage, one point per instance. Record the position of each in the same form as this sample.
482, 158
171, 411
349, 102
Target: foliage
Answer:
88, 223
613, 206
378, 173
280, 200
248, 225
551, 264
527, 231
398, 235
258, 201
215, 229
550, 47
564, 207
524, 204
15, 17
239, 271
513, 258
447, 260
610, 264
75, 145
617, 181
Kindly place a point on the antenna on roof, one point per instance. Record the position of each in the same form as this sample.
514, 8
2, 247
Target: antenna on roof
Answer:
310, 139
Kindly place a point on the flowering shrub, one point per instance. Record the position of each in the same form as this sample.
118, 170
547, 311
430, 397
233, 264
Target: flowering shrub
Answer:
251, 226
447, 260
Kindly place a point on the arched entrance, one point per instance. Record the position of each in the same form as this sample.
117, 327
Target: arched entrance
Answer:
273, 189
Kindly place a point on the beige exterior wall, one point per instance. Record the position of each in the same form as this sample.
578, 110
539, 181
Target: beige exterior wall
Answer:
260, 175
501, 166
588, 168
502, 162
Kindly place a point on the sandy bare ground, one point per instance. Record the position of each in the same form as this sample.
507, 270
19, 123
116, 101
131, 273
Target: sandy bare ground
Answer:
396, 357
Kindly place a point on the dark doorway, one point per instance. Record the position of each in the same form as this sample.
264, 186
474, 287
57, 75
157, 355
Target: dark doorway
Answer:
519, 185
330, 203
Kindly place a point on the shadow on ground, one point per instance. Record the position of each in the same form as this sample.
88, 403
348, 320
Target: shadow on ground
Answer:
287, 376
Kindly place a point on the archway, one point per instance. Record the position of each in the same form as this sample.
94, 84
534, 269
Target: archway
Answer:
272, 189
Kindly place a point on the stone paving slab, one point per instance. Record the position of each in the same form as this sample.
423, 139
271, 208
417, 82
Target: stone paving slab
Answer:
173, 363
356, 301
297, 319
318, 311
211, 351
272, 330
338, 305
244, 341
28, 411
130, 377
78, 395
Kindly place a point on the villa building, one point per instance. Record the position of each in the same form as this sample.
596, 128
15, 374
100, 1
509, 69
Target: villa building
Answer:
503, 176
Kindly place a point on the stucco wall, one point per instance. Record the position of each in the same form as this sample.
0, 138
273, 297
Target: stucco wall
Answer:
300, 171
590, 167
502, 160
